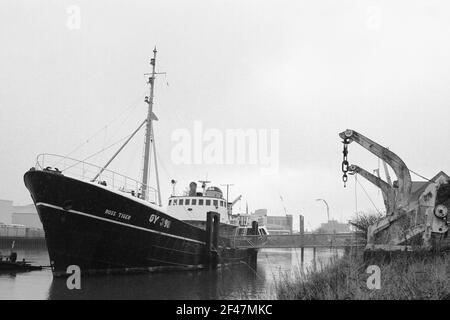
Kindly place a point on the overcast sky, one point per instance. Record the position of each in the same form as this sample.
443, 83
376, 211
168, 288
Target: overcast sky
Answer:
309, 69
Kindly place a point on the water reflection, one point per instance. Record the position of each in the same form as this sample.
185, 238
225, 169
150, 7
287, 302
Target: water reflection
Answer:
234, 282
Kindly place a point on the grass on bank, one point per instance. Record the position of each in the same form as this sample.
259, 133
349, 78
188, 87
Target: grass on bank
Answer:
422, 276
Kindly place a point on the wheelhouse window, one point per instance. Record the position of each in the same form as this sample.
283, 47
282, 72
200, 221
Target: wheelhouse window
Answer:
215, 203
174, 202
208, 202
180, 202
200, 202
170, 202
187, 202
222, 203
194, 202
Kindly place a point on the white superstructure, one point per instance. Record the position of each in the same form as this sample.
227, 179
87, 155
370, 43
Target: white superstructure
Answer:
194, 205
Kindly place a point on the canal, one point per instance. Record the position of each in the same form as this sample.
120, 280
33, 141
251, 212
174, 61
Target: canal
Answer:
235, 282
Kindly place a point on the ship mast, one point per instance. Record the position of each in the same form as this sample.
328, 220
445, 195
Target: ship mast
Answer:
149, 137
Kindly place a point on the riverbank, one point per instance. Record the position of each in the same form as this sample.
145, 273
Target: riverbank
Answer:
401, 278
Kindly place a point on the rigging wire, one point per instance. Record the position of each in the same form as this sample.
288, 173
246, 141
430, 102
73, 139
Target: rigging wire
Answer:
86, 141
411, 170
103, 128
132, 156
399, 163
96, 153
126, 118
417, 174
161, 163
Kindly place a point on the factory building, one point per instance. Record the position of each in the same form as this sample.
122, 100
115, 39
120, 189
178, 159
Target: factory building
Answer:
25, 215
6, 210
274, 224
334, 226
280, 224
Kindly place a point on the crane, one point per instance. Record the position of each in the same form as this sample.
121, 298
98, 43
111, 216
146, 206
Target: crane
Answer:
394, 161
231, 204
416, 211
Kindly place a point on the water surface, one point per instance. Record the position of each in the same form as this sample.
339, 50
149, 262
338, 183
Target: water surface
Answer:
235, 282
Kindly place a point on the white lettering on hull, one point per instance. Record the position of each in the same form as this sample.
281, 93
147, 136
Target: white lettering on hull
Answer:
117, 222
119, 215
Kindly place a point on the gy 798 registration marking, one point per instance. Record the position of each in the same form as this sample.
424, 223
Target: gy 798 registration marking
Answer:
162, 222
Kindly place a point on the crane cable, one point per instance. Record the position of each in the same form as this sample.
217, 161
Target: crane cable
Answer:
419, 175
368, 196
399, 162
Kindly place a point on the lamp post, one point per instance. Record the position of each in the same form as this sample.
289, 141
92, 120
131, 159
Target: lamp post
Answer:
328, 208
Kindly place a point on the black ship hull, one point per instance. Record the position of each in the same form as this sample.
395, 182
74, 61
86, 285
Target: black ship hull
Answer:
103, 231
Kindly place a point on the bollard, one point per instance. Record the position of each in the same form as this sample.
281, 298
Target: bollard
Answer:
255, 228
212, 238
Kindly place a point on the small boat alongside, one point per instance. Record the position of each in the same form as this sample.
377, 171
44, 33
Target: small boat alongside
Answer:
9, 263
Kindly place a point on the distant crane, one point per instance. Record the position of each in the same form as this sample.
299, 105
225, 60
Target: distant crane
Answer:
284, 206
230, 205
228, 185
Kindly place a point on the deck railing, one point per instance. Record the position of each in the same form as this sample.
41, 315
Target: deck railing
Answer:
86, 171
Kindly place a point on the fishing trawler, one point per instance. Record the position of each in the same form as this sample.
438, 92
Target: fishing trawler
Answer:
108, 222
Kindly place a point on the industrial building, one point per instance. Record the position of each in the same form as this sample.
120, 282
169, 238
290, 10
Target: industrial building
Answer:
25, 215
6, 209
334, 226
274, 224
